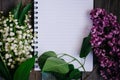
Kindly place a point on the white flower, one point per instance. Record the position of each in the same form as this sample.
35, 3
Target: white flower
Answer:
12, 47
1, 12
0, 43
29, 16
16, 23
4, 21
11, 25
8, 39
22, 27
7, 56
31, 49
28, 35
19, 32
18, 59
16, 54
20, 43
10, 20
25, 42
15, 20
6, 49
12, 66
28, 31
10, 60
15, 50
27, 53
10, 55
30, 56
6, 30
25, 21
1, 30
29, 26
15, 41
6, 46
17, 27
5, 24
12, 38
11, 29
31, 30
20, 37
12, 33
9, 64
22, 59
7, 19
23, 51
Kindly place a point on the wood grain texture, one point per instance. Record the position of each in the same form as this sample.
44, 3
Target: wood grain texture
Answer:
111, 6
0, 5
35, 75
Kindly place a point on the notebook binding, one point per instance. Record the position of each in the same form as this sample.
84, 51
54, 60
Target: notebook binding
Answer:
36, 26
36, 66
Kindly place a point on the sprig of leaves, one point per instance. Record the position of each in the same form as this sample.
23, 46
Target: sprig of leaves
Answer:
22, 73
49, 62
23, 12
19, 12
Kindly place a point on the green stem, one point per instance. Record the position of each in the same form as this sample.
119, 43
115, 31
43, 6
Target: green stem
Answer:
71, 61
74, 60
83, 63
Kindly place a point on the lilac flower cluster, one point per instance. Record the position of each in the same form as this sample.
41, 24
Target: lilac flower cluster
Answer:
105, 41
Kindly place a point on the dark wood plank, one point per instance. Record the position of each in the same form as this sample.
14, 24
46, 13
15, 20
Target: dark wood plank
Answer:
35, 75
7, 5
112, 6
0, 5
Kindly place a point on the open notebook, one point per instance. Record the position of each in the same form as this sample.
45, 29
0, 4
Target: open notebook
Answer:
61, 27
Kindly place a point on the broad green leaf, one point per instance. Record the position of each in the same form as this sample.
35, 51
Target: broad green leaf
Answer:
60, 76
4, 72
44, 56
71, 67
75, 74
53, 64
17, 10
86, 47
24, 11
23, 71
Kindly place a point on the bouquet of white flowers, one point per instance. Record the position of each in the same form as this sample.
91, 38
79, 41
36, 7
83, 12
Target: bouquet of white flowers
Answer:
16, 38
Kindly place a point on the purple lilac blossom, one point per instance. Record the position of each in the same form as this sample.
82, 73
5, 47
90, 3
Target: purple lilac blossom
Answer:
105, 41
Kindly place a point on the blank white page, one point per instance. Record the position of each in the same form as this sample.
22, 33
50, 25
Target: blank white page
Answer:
62, 25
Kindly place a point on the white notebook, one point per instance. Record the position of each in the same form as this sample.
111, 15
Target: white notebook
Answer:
61, 27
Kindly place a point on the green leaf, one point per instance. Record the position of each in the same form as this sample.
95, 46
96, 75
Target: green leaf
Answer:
86, 47
24, 11
4, 72
42, 59
75, 74
17, 10
53, 64
71, 67
23, 71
